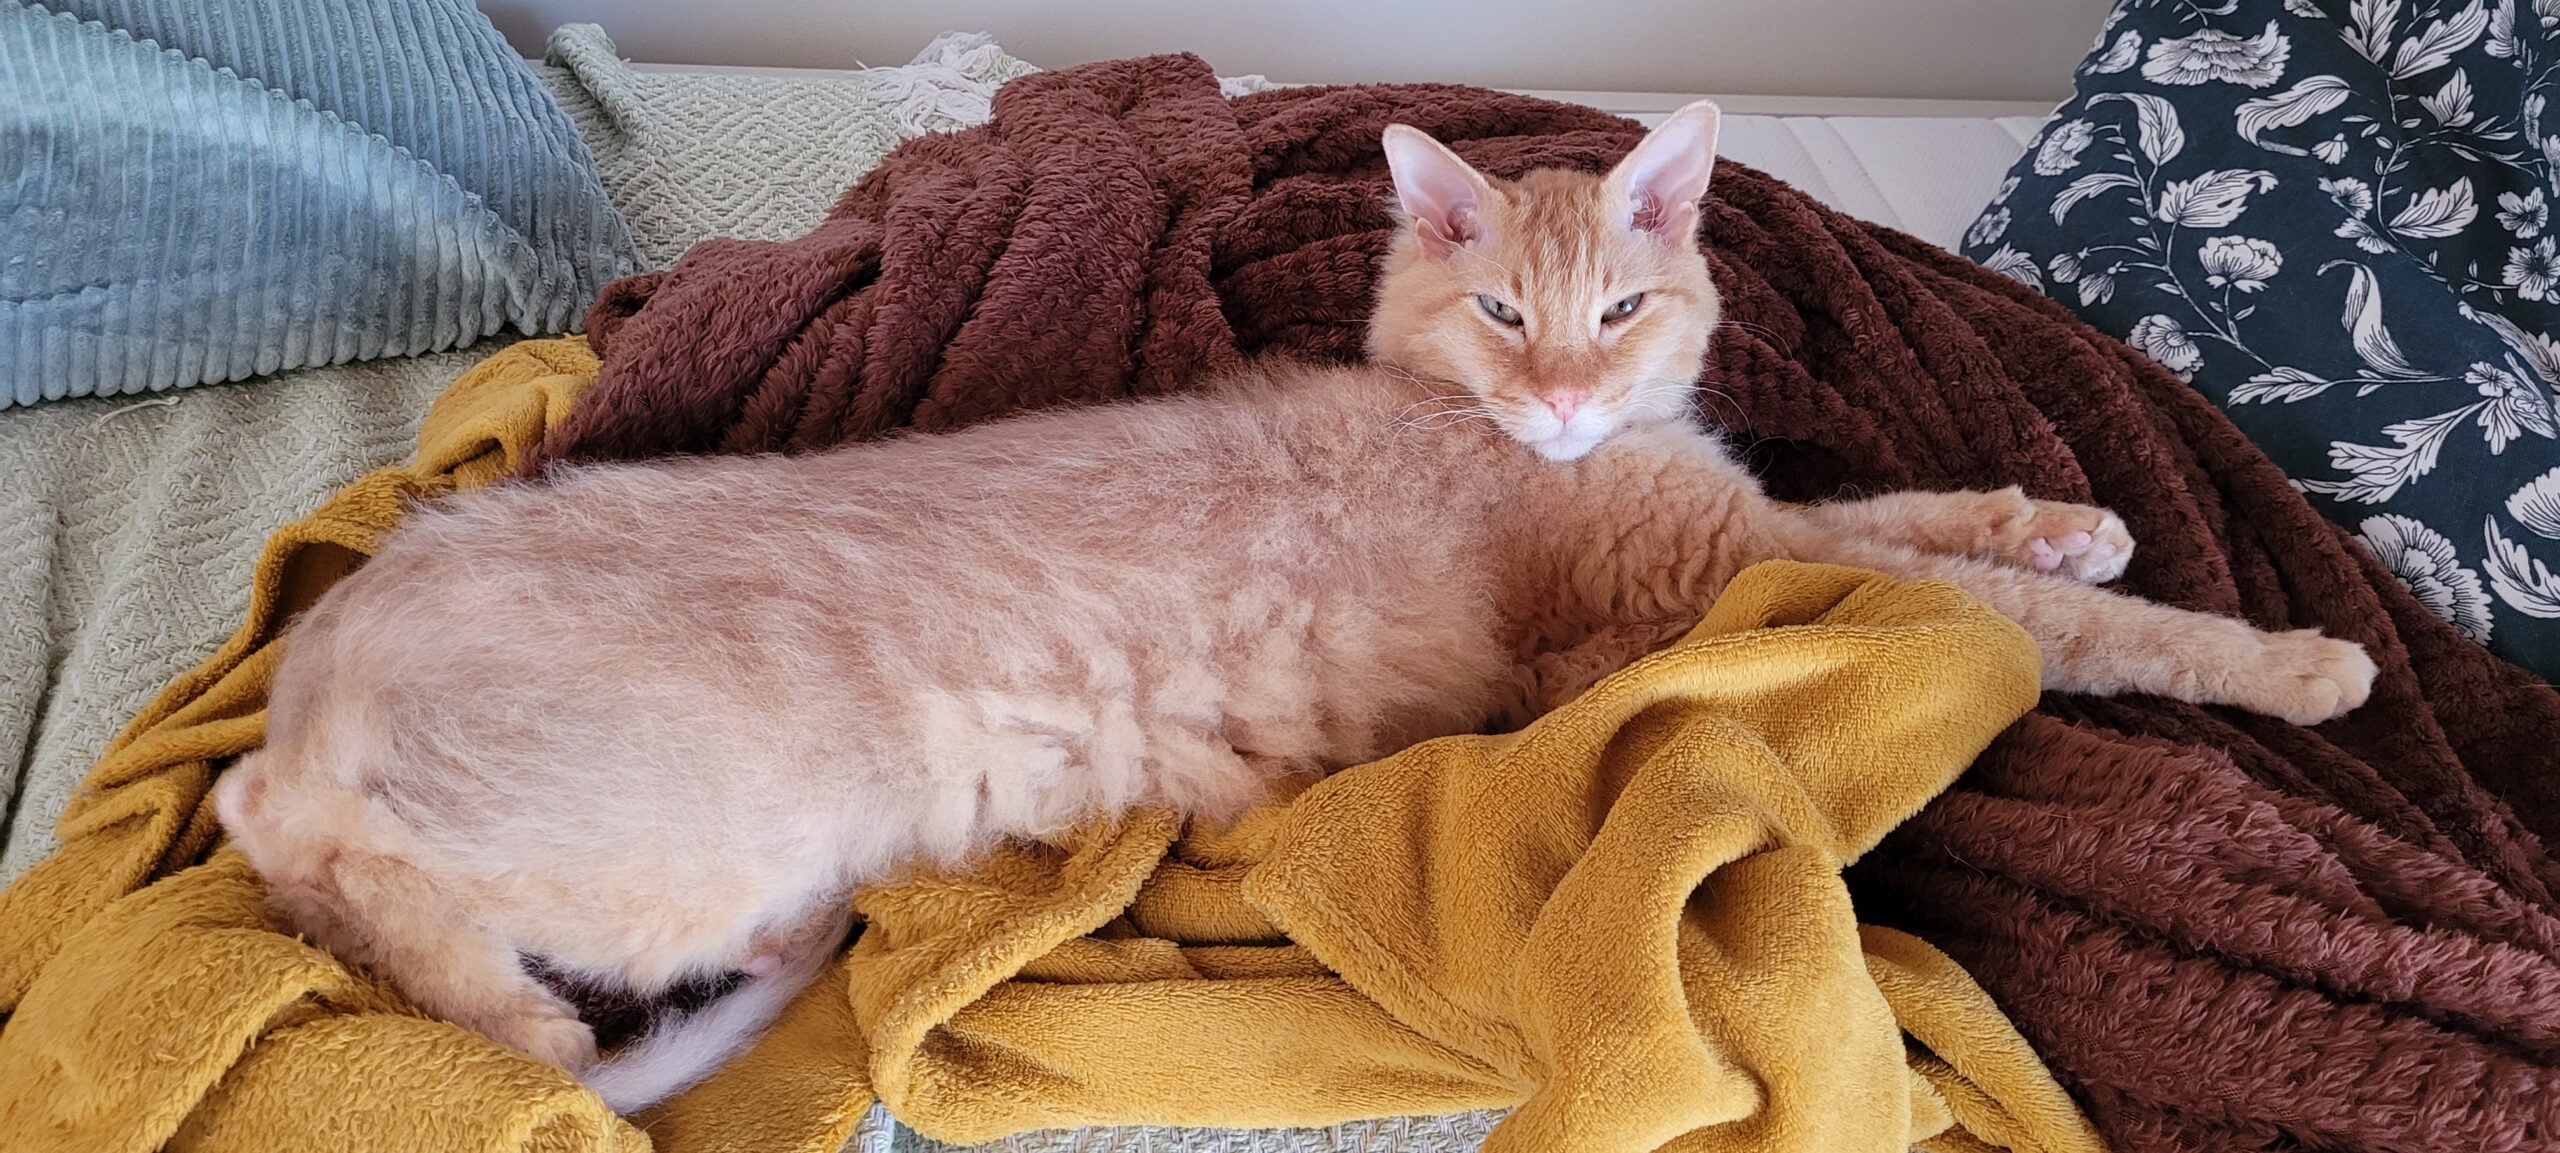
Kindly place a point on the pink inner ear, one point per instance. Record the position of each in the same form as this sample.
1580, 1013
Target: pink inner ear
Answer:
1439, 191
1644, 213
1455, 226
1667, 173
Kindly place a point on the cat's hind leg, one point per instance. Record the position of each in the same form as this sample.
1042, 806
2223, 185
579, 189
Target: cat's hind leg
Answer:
2005, 526
372, 907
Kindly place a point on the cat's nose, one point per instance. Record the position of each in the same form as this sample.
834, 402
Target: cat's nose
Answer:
1563, 404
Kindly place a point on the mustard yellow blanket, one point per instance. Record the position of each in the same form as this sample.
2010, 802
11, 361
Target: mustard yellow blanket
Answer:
1627, 921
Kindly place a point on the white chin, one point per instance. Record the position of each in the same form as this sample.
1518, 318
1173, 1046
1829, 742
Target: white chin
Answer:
1565, 447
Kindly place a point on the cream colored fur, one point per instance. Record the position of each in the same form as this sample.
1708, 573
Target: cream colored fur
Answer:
659, 721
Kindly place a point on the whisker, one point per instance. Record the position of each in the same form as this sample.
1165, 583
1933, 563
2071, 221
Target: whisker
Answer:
1669, 394
1506, 269
1764, 332
1723, 410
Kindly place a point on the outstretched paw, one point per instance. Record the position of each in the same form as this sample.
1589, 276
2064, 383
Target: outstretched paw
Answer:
2076, 541
2308, 678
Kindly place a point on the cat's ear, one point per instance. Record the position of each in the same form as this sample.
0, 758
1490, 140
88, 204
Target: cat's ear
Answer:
1441, 194
1659, 184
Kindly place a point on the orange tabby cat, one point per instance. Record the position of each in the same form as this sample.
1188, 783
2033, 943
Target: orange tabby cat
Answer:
649, 723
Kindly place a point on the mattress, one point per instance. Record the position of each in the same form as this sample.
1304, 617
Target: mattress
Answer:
1926, 175
127, 529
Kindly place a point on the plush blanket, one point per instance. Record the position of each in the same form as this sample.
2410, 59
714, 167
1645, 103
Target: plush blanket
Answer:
1628, 920
2222, 932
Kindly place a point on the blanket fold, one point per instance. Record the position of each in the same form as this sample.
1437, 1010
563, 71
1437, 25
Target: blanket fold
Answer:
2379, 898
1629, 920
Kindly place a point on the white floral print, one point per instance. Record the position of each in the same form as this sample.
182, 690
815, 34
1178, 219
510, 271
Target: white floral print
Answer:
2535, 272
2336, 218
2015, 265
2537, 505
2511, 407
2062, 147
2162, 340
2356, 198
2128, 48
2520, 578
2212, 200
2217, 55
2426, 562
2244, 263
1988, 229
2523, 215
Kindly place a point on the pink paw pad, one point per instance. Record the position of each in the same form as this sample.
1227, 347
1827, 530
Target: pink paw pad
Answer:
2082, 554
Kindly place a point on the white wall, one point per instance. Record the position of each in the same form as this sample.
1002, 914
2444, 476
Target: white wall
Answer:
1947, 49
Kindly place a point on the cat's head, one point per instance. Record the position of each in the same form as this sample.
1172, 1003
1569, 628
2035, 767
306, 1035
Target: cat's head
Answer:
1570, 305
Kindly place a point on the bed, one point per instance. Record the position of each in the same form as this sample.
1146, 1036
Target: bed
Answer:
2107, 872
128, 526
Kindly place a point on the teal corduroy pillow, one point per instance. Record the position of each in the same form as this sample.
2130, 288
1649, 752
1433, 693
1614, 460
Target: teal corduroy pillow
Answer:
194, 192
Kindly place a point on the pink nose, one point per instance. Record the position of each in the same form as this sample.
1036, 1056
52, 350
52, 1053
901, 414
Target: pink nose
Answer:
1563, 404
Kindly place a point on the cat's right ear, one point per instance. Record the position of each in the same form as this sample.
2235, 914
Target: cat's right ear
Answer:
1441, 194
1661, 182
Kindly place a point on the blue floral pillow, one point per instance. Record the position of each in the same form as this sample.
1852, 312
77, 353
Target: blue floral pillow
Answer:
2335, 219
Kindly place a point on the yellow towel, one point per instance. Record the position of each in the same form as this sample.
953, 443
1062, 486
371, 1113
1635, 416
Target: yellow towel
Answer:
1627, 921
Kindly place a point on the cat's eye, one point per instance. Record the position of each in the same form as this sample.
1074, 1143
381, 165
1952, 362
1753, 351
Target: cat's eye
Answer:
1498, 310
1622, 309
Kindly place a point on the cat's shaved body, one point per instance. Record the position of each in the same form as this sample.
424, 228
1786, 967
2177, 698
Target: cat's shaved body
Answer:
654, 722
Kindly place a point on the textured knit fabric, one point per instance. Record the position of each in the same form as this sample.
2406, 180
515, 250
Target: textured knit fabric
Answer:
193, 193
2225, 932
690, 157
1627, 919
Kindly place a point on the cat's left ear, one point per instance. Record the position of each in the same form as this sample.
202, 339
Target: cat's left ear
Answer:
1443, 196
1661, 182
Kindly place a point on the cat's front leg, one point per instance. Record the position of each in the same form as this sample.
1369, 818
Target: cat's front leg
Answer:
2096, 641
2006, 526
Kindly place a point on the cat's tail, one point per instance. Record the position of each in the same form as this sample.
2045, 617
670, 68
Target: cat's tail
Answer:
679, 1051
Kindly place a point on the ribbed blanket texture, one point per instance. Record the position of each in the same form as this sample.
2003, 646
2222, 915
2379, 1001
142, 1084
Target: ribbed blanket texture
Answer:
193, 193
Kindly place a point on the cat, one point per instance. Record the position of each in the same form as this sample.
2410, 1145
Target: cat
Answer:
654, 723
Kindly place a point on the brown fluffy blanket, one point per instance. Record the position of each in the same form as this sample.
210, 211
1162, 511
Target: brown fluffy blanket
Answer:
2223, 932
